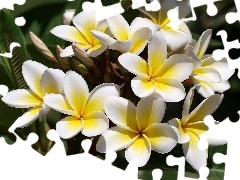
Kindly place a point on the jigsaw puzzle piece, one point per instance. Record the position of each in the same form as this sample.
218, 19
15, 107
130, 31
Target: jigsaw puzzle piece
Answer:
103, 12
180, 162
232, 17
9, 4
211, 8
224, 53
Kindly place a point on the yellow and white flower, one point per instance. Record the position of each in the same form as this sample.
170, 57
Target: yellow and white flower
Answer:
175, 37
139, 129
158, 74
81, 34
131, 38
191, 126
209, 74
41, 81
84, 109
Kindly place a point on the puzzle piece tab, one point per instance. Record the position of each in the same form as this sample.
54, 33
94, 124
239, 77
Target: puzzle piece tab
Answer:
232, 17
229, 132
219, 54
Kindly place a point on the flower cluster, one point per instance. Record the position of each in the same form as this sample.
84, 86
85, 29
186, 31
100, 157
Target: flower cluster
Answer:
147, 60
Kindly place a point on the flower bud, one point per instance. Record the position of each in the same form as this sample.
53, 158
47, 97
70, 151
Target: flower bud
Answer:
82, 69
68, 15
62, 60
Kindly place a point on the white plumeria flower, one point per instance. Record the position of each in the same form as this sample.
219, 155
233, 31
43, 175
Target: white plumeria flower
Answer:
158, 74
139, 129
209, 74
84, 109
191, 126
81, 34
175, 38
41, 81
131, 38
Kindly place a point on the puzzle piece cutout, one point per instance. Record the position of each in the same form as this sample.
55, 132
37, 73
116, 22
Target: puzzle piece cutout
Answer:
9, 4
219, 54
232, 17
227, 132
180, 162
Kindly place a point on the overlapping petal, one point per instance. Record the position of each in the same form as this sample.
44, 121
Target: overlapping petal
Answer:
27, 118
69, 127
115, 139
140, 149
95, 123
22, 98
150, 110
135, 64
161, 137
75, 90
97, 97
143, 87
52, 81
170, 89
121, 112
32, 72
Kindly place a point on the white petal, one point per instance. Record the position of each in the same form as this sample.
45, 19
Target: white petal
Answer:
52, 81
202, 43
67, 52
68, 33
157, 52
187, 105
22, 98
170, 89
162, 137
140, 149
115, 139
220, 87
206, 107
150, 110
140, 22
184, 28
221, 66
203, 88
207, 75
97, 97
85, 22
27, 118
175, 39
69, 127
43, 111
122, 46
32, 72
59, 103
194, 156
75, 90
119, 27
134, 64
95, 123
178, 67
182, 133
97, 50
106, 39
142, 87
121, 112
140, 40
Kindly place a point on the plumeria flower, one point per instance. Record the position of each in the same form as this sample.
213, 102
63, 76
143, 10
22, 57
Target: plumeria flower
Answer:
175, 37
41, 81
158, 74
84, 109
81, 34
191, 126
209, 74
68, 15
131, 38
139, 129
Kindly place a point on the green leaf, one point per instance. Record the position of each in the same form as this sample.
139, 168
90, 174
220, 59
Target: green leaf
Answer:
12, 33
